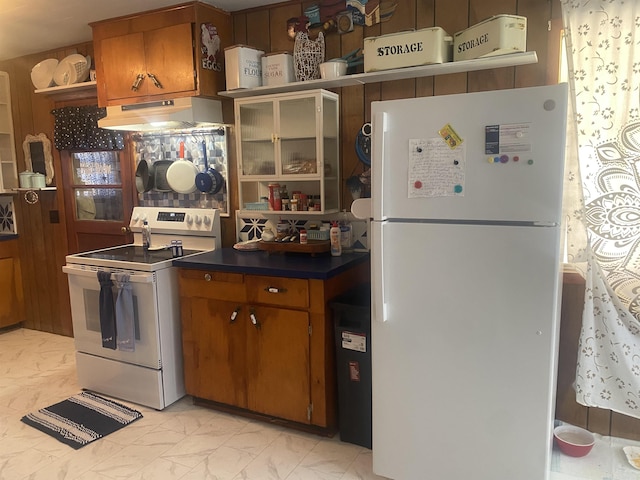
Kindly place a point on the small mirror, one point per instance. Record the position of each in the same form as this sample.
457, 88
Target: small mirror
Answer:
37, 155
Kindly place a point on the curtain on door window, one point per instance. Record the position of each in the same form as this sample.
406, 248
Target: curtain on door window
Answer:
76, 128
603, 196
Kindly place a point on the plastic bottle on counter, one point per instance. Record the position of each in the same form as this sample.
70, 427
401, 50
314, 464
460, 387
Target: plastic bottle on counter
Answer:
146, 235
334, 238
303, 237
346, 233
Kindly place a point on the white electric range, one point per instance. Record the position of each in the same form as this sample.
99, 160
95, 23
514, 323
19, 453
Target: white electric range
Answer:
151, 374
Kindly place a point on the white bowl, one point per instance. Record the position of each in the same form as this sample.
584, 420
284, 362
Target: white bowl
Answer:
71, 69
333, 69
42, 73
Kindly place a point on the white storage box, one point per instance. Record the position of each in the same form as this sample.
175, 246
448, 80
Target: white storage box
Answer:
407, 49
277, 68
243, 67
495, 36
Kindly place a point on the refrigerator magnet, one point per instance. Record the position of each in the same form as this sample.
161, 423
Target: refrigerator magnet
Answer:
450, 136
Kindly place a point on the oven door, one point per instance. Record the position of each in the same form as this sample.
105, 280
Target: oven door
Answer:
84, 292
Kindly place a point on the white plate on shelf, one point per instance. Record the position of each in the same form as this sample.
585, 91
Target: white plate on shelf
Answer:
633, 456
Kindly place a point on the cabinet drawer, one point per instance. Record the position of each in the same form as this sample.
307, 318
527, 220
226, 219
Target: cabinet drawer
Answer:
286, 292
214, 285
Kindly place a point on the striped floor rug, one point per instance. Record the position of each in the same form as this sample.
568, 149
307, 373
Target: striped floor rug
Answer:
81, 419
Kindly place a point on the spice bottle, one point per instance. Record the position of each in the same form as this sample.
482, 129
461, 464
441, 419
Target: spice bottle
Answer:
275, 202
303, 237
334, 238
146, 235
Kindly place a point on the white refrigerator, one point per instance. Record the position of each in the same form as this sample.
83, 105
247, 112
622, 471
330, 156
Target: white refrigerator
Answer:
466, 279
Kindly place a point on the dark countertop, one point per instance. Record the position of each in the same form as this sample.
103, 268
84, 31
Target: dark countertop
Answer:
8, 236
292, 265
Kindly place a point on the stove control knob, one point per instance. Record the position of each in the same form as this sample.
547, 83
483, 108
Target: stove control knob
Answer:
135, 218
198, 220
207, 220
189, 220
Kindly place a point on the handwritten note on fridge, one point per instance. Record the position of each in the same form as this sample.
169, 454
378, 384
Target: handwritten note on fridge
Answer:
435, 170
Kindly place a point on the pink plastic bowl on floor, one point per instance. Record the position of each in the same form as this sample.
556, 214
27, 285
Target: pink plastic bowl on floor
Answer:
574, 441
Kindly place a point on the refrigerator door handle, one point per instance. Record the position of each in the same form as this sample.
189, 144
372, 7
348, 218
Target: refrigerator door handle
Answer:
378, 282
378, 155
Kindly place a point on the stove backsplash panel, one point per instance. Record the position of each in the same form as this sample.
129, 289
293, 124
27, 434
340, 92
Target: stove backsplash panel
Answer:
155, 146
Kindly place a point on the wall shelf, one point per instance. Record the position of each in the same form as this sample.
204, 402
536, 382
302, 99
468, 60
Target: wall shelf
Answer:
70, 92
509, 60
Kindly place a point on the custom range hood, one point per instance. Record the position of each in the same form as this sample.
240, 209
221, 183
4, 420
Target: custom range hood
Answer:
181, 113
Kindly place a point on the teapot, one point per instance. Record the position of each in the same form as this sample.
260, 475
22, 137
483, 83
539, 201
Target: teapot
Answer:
268, 235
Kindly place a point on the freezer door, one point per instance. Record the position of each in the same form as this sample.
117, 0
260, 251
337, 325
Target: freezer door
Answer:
464, 365
430, 156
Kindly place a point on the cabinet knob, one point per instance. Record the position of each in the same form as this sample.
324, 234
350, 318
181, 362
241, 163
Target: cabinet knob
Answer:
234, 315
275, 290
155, 80
207, 277
125, 230
254, 319
137, 82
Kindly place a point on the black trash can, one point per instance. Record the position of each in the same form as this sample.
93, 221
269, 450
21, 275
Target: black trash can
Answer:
352, 324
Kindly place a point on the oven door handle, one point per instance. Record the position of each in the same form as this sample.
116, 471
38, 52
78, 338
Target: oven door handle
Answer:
71, 270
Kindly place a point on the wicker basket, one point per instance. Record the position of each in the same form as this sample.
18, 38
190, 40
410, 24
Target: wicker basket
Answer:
318, 234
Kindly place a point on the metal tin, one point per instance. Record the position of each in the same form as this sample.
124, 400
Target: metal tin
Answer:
277, 68
243, 67
407, 49
497, 35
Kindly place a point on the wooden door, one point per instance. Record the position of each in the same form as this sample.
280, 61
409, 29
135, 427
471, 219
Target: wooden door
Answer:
98, 196
213, 344
169, 57
123, 60
278, 379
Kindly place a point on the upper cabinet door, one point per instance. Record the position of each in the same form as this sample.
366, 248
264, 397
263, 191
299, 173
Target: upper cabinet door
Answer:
170, 59
123, 60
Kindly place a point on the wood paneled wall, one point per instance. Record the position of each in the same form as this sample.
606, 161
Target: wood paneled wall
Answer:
41, 226
265, 28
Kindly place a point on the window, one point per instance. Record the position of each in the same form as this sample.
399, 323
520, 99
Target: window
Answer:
97, 186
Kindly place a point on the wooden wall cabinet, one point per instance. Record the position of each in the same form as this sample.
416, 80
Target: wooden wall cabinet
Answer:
262, 344
11, 295
159, 54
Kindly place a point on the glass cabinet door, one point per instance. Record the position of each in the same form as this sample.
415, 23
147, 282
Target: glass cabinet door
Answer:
257, 138
297, 137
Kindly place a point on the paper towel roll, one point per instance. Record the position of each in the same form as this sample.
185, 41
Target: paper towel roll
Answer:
361, 208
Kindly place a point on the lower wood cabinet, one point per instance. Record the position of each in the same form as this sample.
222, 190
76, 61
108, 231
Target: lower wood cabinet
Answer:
11, 295
262, 344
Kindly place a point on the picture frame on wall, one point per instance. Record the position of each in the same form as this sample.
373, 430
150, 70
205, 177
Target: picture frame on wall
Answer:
37, 155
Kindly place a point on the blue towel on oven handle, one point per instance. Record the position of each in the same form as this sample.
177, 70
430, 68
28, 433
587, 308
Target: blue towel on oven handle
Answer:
107, 313
125, 328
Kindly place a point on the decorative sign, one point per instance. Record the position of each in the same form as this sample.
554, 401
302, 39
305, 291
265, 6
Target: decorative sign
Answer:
210, 47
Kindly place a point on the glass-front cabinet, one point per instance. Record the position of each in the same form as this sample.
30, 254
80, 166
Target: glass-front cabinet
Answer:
288, 147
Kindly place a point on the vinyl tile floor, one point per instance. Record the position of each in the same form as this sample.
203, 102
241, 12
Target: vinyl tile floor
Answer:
185, 441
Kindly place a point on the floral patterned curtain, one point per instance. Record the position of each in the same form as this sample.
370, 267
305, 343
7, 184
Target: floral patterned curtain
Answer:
602, 196
76, 128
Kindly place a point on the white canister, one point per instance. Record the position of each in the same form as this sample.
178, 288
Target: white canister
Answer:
277, 68
38, 180
243, 67
25, 179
